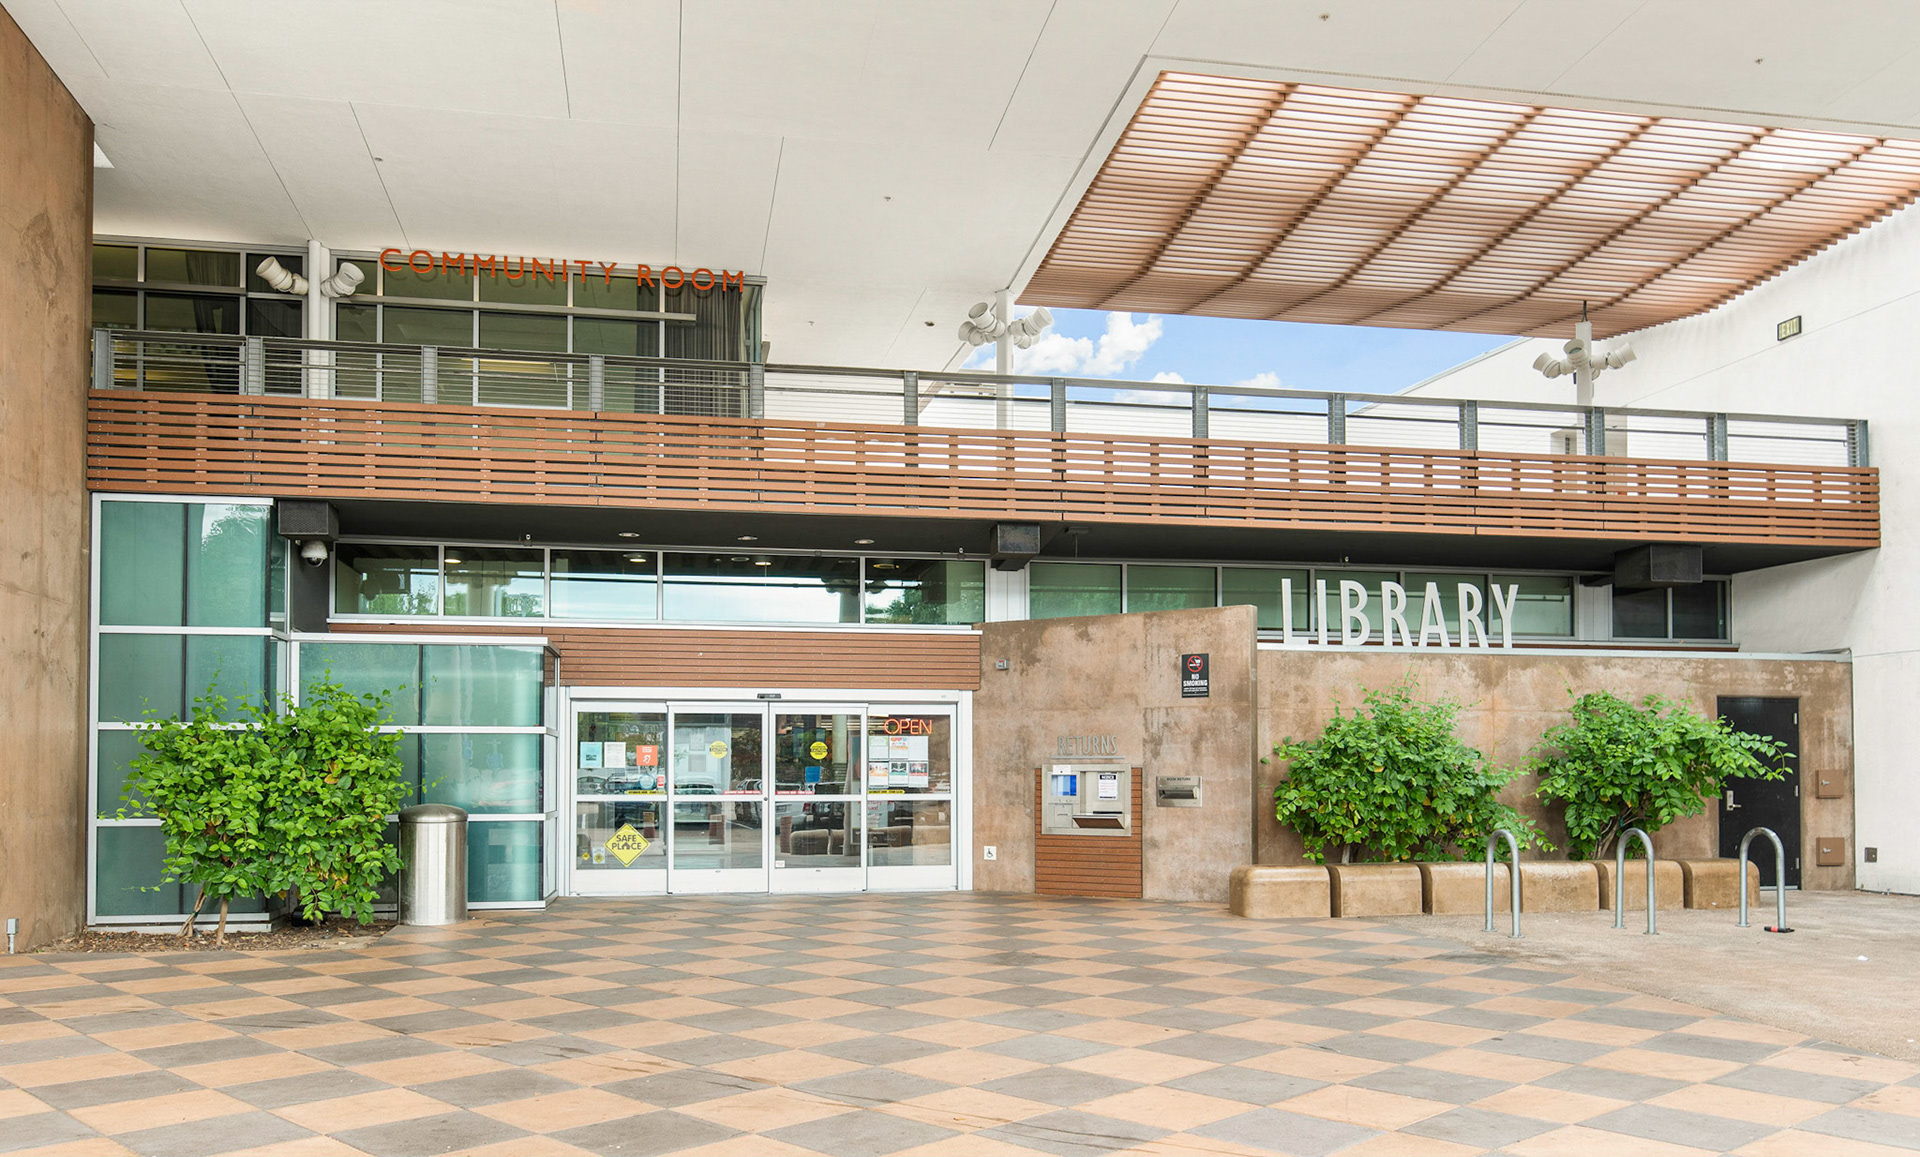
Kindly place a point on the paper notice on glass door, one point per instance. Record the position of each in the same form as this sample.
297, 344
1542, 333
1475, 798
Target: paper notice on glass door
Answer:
589, 755
877, 747
917, 774
613, 754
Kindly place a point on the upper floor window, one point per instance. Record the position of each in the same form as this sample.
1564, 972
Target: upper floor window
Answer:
1696, 611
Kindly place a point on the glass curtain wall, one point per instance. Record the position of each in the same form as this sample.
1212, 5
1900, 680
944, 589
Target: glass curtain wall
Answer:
193, 291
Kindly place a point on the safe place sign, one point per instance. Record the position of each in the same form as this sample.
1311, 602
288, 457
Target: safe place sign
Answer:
626, 845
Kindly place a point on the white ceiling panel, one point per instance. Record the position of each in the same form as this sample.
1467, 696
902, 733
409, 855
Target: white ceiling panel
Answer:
318, 151
1081, 64
515, 185
1541, 40
1369, 37
944, 72
47, 26
826, 321
761, 66
726, 193
623, 60
477, 55
144, 42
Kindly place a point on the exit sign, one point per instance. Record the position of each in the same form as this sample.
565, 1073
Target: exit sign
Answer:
1788, 328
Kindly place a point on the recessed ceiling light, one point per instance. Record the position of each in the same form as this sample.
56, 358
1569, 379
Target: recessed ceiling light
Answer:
452, 561
863, 542
748, 538
638, 558
629, 534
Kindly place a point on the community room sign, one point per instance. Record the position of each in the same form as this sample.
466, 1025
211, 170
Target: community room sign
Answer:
423, 262
1356, 629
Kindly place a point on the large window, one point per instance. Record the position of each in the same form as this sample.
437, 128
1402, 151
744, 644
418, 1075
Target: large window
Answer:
764, 588
1059, 590
1697, 611
947, 592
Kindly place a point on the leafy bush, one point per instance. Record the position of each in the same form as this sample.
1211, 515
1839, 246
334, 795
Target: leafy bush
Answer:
1617, 766
290, 803
1393, 780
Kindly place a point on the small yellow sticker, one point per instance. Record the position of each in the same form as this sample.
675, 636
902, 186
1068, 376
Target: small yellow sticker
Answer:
627, 844
818, 750
717, 749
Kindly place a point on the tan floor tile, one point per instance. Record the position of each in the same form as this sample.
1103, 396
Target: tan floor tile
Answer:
677, 1007
389, 1007
606, 1068
1315, 1065
20, 1103
1190, 1145
363, 1110
1590, 1032
1142, 1065
1278, 1032
748, 1146
1532, 1006
1725, 1029
525, 1147
432, 985
1901, 1099
1850, 1065
303, 1147
299, 984
965, 1066
154, 1036
32, 1030
764, 1110
1126, 1033
1165, 1108
59, 1072
167, 984
1672, 1066
1580, 1141
62, 979
962, 1034
560, 986
528, 1009
1357, 985
479, 1036
158, 1112
1742, 1105
245, 1070
91, 1147
1794, 1143
1406, 1145
804, 1034
1369, 1107
421, 1070
960, 1007
1544, 1104
243, 1006
1108, 1007
99, 1006
786, 1068
552, 1112
976, 1108
1389, 1006
321, 1035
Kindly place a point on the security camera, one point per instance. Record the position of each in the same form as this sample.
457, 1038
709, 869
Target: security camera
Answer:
313, 552
344, 281
280, 278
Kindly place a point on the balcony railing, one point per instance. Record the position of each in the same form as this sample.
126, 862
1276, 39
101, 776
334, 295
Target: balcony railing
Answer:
615, 384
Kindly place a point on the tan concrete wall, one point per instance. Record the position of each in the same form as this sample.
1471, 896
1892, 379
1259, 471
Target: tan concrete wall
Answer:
1508, 700
46, 226
1119, 675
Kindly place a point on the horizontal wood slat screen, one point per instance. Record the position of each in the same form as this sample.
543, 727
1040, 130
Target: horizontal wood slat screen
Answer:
612, 657
1088, 865
296, 447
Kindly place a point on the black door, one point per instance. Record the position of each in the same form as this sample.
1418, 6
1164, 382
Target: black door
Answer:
1764, 803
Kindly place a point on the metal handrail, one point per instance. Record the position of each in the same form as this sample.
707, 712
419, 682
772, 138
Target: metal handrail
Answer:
1779, 880
1513, 880
1620, 878
225, 363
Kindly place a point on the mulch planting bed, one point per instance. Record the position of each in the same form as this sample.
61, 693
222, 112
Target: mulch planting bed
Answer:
292, 937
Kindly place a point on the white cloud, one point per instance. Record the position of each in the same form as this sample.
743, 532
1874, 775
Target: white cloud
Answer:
1264, 380
1170, 378
1125, 343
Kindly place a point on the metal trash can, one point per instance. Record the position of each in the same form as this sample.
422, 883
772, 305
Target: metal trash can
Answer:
433, 864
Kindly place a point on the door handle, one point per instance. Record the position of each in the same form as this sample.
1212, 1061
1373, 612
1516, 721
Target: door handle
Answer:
1731, 806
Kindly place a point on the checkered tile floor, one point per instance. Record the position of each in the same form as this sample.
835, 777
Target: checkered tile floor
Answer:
938, 1024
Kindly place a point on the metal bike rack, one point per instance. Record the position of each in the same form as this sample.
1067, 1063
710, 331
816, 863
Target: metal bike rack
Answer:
1620, 878
1513, 879
1779, 880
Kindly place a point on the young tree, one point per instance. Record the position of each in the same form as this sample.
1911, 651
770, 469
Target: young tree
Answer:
1616, 766
1392, 779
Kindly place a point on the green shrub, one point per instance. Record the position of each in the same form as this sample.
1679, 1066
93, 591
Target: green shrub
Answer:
1616, 766
1392, 781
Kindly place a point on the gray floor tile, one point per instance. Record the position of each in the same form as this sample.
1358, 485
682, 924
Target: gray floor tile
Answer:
1206, 1046
1074, 1134
1488, 1130
714, 1049
1543, 1048
1036, 1019
646, 1135
1431, 1084
1788, 1083
858, 1134
1047, 1049
1234, 1083
38, 1129
682, 1087
438, 1134
1711, 1047
366, 1052
1677, 1128
1380, 1048
1058, 1086
1863, 1125
321, 1086
881, 1049
424, 1022
1284, 1132
492, 1088
240, 1132
873, 1086
206, 1052
104, 1090
1607, 1083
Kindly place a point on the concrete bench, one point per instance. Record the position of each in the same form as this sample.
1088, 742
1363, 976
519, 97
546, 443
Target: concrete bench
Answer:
1273, 893
1559, 886
1716, 883
1376, 889
1461, 889
1669, 884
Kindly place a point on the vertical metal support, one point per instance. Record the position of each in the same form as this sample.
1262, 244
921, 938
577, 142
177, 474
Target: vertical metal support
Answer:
1469, 425
910, 398
756, 390
1716, 437
596, 382
1596, 430
429, 375
1857, 444
1057, 398
253, 366
1779, 879
1620, 876
1200, 404
102, 358
1337, 419
1513, 880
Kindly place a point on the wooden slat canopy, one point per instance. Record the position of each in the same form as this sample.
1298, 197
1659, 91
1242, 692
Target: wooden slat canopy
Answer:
1261, 199
294, 447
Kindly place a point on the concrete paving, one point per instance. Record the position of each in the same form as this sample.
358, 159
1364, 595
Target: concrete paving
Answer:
1847, 973
948, 1025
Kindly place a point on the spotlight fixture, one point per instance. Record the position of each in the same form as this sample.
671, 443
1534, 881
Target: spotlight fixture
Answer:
638, 558
863, 542
748, 538
762, 560
280, 277
629, 534
991, 321
344, 281
1581, 360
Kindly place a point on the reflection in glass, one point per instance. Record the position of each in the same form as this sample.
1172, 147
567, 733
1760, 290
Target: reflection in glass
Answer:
116, 309
642, 849
717, 834
604, 584
909, 754
193, 313
762, 588
1260, 589
142, 563
903, 832
816, 754
193, 267
602, 292
716, 754
1063, 589
1371, 580
503, 861
227, 564
821, 834
476, 685
376, 579
1449, 609
401, 280
495, 583
121, 261
1700, 611
1640, 614
481, 772
944, 592
435, 327
390, 669
1169, 588
512, 281
621, 753
1544, 605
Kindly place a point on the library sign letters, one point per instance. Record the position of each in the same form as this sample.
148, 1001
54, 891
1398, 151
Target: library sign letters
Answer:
1356, 626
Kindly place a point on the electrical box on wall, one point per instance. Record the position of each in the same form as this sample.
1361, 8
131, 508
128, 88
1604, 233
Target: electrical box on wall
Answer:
1830, 852
1087, 799
1829, 785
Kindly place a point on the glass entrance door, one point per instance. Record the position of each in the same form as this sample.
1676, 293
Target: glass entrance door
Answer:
619, 753
817, 813
718, 794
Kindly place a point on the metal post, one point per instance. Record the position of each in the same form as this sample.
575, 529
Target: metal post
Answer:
1857, 443
1057, 405
1620, 877
102, 358
1779, 879
756, 390
1513, 880
1596, 430
253, 366
596, 382
1337, 419
1717, 437
429, 375
1200, 405
1469, 425
910, 398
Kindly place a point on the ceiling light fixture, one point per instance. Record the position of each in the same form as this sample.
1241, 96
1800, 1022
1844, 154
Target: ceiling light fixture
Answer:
863, 542
452, 561
280, 278
762, 560
748, 538
629, 534
1581, 361
992, 321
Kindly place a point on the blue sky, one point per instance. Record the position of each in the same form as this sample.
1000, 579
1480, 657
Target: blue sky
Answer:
1224, 351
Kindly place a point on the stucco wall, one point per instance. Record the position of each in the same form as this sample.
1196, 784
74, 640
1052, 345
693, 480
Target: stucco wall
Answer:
1119, 675
46, 224
1509, 700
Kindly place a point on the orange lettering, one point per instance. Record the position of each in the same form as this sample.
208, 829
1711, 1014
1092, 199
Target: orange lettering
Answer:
606, 272
453, 263
582, 265
519, 268
734, 281
383, 261
645, 273
483, 264
679, 277
543, 268
696, 280
415, 264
